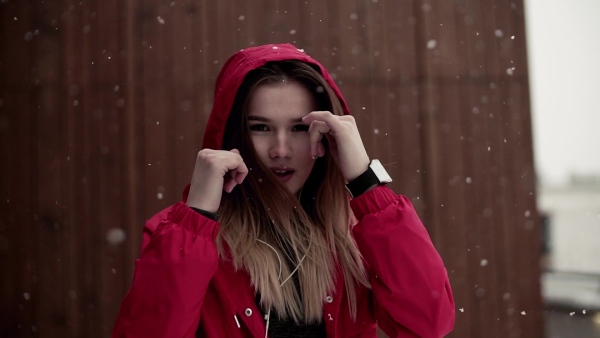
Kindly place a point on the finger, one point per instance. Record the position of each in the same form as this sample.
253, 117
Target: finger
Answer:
234, 161
233, 178
315, 132
241, 174
320, 149
229, 181
332, 121
241, 170
237, 172
331, 142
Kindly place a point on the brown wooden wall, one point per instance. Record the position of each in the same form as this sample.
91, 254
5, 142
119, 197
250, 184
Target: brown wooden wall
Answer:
103, 104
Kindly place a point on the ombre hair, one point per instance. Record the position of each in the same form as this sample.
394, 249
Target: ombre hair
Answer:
315, 222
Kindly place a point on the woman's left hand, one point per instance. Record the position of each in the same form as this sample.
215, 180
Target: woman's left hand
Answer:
344, 140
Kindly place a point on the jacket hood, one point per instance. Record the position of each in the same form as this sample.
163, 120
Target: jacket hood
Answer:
232, 74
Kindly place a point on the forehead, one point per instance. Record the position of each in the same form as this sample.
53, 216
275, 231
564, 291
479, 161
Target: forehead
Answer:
289, 98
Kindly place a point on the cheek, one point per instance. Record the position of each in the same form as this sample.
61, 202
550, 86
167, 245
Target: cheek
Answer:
302, 153
260, 146
302, 142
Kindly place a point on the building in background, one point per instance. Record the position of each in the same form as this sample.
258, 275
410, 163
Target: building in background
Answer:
572, 276
563, 40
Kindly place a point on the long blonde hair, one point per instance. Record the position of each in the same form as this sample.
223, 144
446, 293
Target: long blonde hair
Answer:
316, 223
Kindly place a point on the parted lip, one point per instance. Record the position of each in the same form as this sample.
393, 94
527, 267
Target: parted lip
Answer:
281, 168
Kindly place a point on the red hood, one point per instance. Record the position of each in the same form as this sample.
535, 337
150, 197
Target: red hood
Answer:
231, 76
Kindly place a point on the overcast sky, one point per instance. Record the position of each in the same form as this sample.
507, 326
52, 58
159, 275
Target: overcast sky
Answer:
563, 40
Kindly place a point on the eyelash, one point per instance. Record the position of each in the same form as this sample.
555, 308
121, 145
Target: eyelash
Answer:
301, 127
259, 127
264, 127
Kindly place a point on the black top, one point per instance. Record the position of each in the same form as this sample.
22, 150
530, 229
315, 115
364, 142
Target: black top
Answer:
288, 328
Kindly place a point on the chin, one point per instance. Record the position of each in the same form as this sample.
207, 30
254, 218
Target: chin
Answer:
293, 191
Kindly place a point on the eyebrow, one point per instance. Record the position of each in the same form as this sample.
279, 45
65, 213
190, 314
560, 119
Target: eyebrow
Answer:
264, 119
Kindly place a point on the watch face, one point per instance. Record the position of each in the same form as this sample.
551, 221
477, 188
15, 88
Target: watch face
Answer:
380, 172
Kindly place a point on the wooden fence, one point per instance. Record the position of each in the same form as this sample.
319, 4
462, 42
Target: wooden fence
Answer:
103, 104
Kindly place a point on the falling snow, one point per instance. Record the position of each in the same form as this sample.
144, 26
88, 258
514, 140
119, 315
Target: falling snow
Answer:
115, 236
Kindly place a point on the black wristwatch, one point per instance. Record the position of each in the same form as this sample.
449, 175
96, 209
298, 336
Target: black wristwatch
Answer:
375, 174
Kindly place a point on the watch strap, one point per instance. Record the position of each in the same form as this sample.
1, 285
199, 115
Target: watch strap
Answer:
364, 181
211, 215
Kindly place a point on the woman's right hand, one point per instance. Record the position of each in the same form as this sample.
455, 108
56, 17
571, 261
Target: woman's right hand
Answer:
215, 171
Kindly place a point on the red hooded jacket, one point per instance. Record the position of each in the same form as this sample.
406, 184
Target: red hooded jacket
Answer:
182, 289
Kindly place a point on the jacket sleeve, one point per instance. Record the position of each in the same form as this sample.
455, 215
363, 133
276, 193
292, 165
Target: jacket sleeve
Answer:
178, 259
412, 295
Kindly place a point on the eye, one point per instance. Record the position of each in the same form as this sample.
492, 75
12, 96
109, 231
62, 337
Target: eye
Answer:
300, 127
259, 127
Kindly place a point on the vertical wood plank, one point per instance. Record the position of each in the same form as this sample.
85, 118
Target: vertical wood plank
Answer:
183, 110
17, 188
132, 119
156, 57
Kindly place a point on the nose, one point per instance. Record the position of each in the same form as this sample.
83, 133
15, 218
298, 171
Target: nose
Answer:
280, 146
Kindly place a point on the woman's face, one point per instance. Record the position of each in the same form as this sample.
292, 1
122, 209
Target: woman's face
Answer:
278, 134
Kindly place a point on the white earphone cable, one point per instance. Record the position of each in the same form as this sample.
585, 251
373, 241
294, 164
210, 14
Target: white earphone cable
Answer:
268, 315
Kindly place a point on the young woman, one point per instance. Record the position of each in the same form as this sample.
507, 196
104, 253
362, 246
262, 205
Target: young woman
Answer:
287, 228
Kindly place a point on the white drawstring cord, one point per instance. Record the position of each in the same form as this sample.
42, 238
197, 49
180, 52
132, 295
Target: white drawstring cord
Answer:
268, 321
